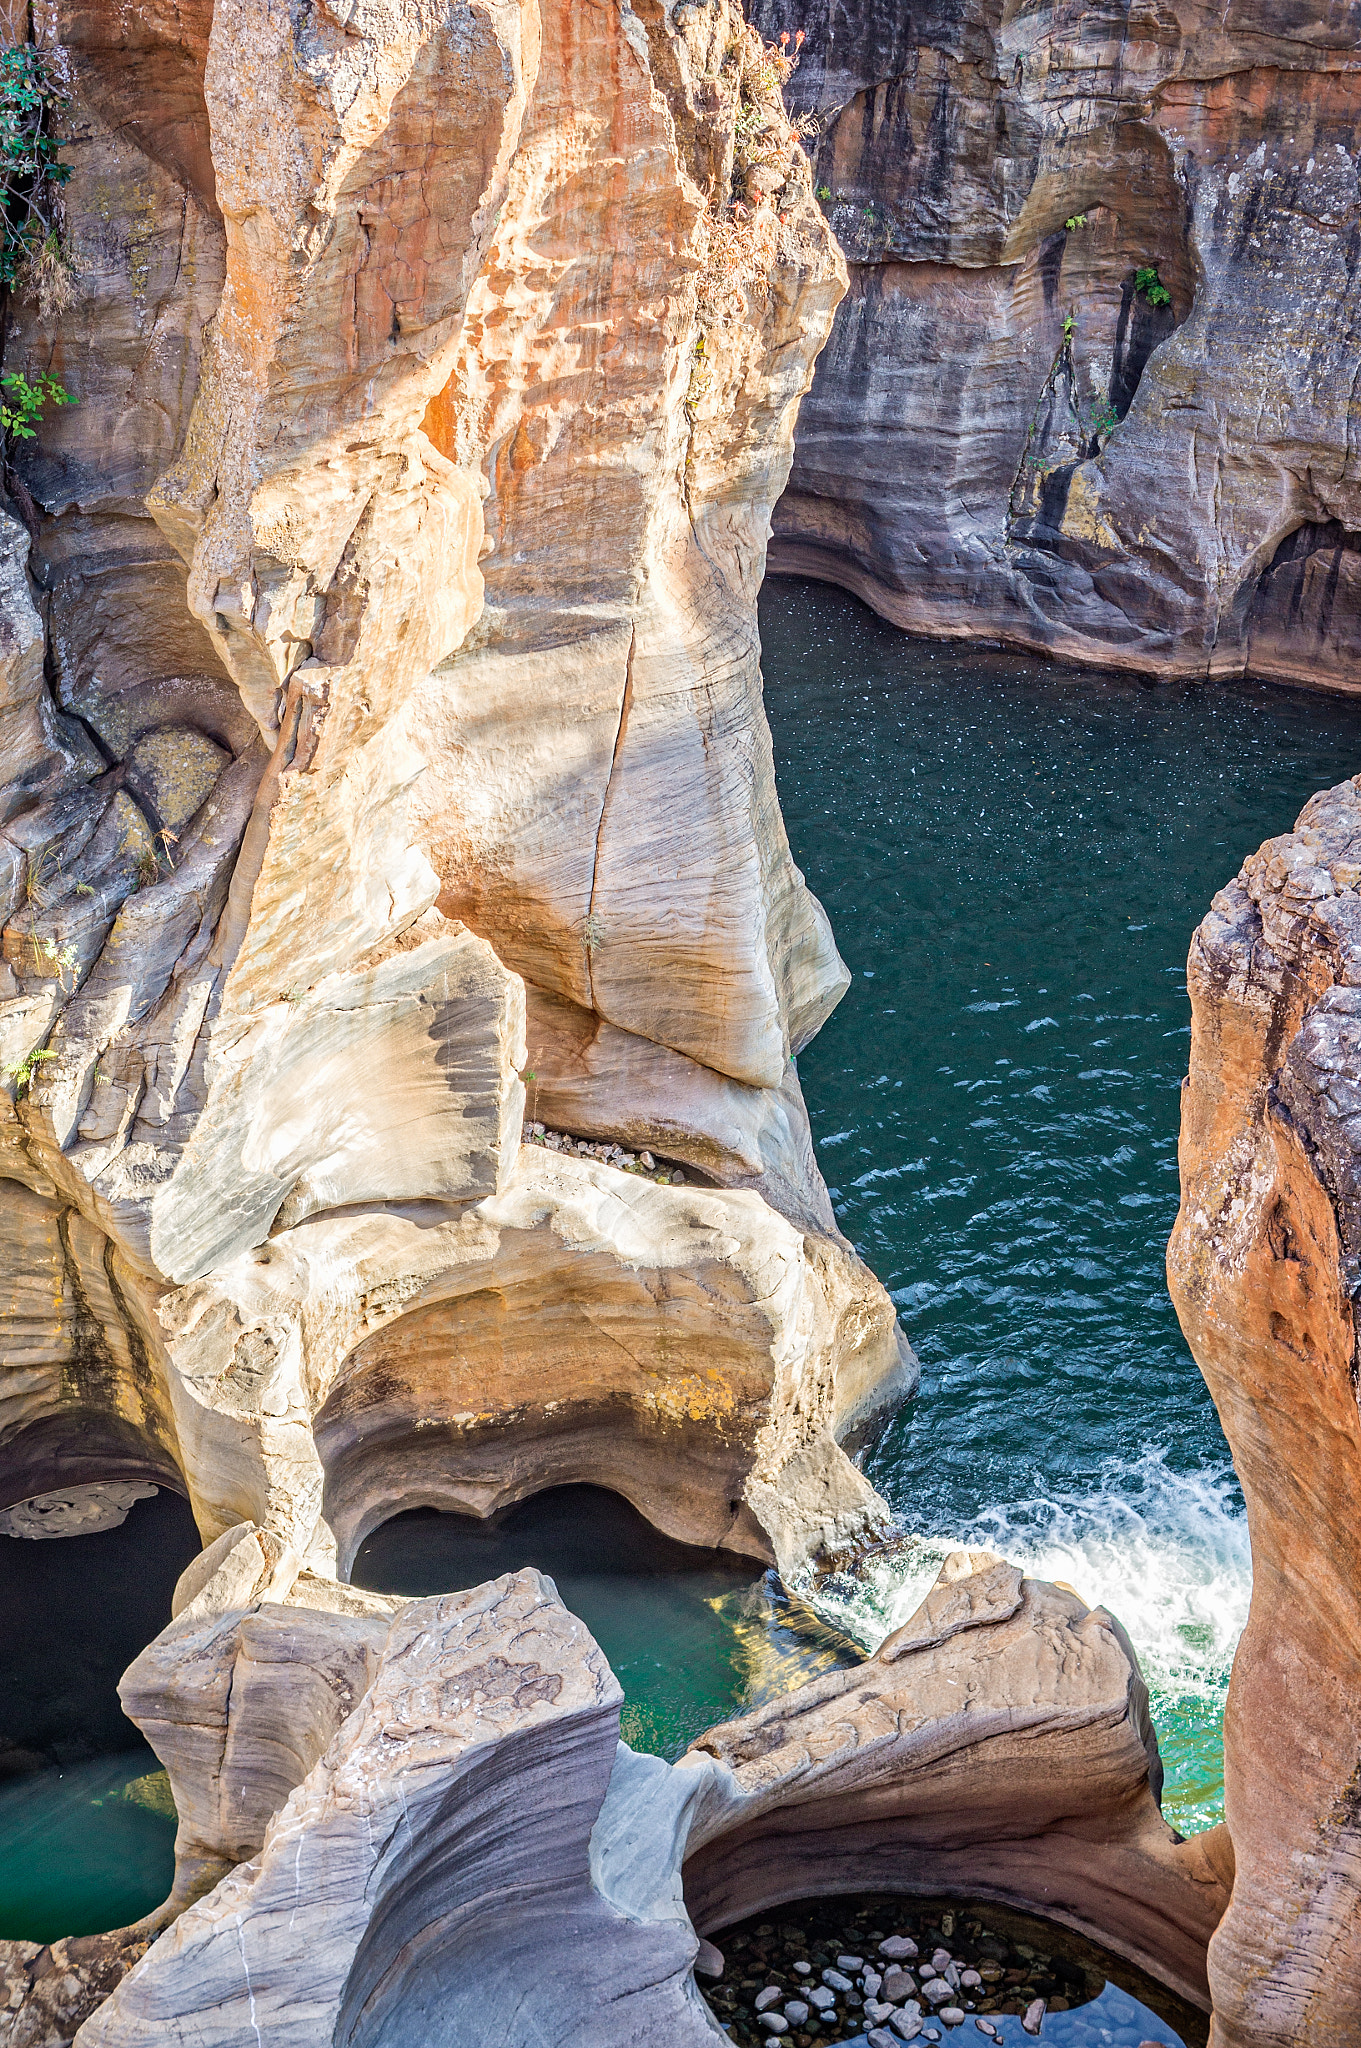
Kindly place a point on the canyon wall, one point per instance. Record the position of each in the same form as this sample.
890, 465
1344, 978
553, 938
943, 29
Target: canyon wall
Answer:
1265, 1269
1005, 436
383, 732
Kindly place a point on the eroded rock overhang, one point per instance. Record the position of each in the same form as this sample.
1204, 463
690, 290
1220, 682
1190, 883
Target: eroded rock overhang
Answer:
383, 724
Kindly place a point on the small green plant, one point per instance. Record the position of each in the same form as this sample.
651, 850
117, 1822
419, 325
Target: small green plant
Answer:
21, 408
1069, 328
824, 193
32, 100
868, 212
21, 1072
1076, 220
1147, 281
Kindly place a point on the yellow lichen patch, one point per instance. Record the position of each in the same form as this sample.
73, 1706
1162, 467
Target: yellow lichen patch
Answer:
693, 1397
175, 769
1082, 520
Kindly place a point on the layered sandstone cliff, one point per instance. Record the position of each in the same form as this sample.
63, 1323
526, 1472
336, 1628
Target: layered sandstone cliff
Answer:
1265, 1268
1006, 435
383, 722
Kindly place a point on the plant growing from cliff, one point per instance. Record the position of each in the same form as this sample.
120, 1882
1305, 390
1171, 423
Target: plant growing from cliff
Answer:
21, 1072
32, 257
1147, 281
1077, 220
21, 407
744, 237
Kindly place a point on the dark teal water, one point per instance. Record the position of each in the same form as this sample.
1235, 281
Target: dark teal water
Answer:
78, 1853
1014, 856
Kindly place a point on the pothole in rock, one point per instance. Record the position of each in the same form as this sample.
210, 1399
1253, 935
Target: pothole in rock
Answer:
692, 1635
878, 1971
87, 1822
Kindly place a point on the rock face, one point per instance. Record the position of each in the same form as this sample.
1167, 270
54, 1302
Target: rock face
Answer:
475, 1858
1264, 1266
382, 713
1006, 436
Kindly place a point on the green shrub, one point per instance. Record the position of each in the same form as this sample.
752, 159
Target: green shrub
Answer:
22, 406
31, 100
1147, 281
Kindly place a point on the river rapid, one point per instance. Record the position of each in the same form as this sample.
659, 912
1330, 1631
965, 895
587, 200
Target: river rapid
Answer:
1014, 856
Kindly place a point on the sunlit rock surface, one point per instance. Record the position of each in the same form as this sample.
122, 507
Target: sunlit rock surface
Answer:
1263, 1267
1169, 482
382, 671
476, 1857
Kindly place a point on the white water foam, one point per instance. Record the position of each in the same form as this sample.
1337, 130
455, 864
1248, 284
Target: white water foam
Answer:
1166, 1552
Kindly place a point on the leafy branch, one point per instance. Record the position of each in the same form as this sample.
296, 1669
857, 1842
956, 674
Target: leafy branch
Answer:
21, 407
32, 100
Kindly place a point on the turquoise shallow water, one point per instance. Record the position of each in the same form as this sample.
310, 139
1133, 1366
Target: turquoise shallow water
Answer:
76, 1855
1014, 856
690, 1634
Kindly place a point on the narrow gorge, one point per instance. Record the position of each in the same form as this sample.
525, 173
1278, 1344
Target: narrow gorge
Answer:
476, 1572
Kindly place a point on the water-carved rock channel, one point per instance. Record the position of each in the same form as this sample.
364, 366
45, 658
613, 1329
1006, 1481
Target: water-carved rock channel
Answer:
1013, 855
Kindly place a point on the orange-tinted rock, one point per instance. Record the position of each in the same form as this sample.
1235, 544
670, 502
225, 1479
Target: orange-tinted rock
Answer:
1263, 1266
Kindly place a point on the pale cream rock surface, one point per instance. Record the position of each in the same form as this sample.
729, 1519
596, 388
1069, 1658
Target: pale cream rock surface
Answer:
476, 1859
401, 553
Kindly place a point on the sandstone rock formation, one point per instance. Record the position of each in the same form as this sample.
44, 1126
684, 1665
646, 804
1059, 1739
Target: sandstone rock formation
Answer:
381, 684
1171, 483
1263, 1267
476, 1858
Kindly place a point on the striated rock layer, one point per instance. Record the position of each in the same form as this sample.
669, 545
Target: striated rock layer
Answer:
382, 706
469, 1854
1265, 1267
1006, 437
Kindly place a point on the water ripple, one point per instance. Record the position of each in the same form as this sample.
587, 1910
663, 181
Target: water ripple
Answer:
997, 1096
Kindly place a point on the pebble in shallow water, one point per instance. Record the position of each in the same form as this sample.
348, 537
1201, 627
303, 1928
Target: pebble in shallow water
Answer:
842, 1973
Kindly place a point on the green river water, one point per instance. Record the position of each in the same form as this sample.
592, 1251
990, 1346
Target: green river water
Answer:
1014, 856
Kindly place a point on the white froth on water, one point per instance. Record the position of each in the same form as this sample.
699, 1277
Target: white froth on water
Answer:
1166, 1552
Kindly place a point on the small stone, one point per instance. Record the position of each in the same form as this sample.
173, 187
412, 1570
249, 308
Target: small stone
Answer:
953, 2015
898, 1984
837, 1981
940, 1961
878, 2037
1034, 2016
898, 1948
986, 2027
938, 1991
796, 2012
821, 1998
774, 2023
770, 1996
876, 2010
871, 1981
971, 1980
708, 1960
907, 2025
803, 1969
851, 1963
